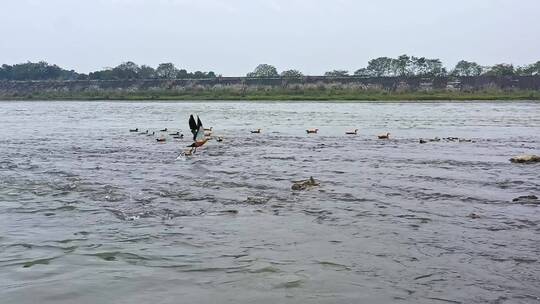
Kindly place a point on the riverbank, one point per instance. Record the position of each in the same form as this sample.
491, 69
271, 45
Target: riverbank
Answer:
276, 94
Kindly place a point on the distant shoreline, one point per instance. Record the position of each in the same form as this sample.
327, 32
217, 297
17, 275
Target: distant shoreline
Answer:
349, 89
270, 96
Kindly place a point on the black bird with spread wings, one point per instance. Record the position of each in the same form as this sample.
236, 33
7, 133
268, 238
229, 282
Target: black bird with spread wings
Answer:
198, 134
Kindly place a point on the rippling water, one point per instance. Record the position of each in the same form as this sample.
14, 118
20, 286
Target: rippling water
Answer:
91, 213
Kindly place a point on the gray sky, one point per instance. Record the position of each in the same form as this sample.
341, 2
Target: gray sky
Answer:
232, 36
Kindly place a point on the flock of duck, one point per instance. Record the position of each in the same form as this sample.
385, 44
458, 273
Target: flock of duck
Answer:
202, 135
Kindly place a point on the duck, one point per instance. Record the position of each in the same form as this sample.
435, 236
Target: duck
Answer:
384, 136
257, 131
153, 133
162, 139
175, 134
143, 133
312, 131
179, 136
164, 130
422, 141
352, 132
219, 139
197, 130
134, 130
209, 129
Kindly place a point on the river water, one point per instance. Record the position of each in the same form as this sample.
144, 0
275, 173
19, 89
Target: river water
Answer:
93, 213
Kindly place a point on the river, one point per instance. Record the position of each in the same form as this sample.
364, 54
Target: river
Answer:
93, 213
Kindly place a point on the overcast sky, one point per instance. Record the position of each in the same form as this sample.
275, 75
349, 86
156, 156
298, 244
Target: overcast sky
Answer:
231, 37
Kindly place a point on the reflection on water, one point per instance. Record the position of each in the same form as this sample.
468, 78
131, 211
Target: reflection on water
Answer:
91, 213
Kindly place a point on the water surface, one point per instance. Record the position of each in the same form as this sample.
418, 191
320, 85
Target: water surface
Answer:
91, 213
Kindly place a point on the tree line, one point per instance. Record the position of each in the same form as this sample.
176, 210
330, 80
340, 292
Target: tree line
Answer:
410, 66
402, 66
125, 71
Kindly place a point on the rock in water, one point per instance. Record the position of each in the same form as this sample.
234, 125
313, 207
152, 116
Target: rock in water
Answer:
525, 159
474, 216
527, 200
304, 185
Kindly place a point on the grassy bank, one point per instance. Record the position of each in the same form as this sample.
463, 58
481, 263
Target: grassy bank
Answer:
280, 94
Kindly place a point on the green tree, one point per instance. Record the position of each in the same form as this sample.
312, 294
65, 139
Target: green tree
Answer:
5, 72
126, 70
166, 71
147, 72
36, 71
402, 65
337, 73
292, 74
418, 66
183, 74
434, 68
105, 74
466, 68
382, 66
264, 71
502, 69
529, 70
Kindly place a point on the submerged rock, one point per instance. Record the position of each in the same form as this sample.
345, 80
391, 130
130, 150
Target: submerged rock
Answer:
527, 199
525, 159
304, 185
256, 200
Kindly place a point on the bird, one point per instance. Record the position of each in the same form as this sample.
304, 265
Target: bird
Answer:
134, 130
312, 131
257, 131
384, 136
143, 133
197, 129
162, 139
175, 134
352, 132
179, 136
422, 141
153, 133
209, 129
219, 139
164, 130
